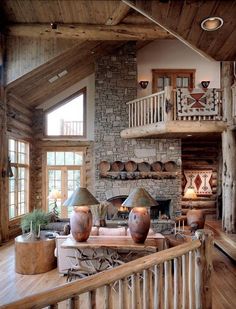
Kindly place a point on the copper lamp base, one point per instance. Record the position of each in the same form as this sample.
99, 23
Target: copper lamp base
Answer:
81, 223
139, 224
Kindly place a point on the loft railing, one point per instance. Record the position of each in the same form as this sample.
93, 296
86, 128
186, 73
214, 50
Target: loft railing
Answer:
179, 104
179, 277
71, 127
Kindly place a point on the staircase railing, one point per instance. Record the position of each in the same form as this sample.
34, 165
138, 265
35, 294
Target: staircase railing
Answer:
178, 277
178, 104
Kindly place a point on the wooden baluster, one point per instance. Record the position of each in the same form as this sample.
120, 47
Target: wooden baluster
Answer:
155, 108
176, 283
166, 288
74, 302
180, 289
92, 299
156, 287
121, 295
141, 112
152, 109
206, 238
170, 282
190, 281
135, 114
150, 284
145, 290
126, 294
129, 116
138, 291
133, 293
144, 112
148, 111
138, 116
158, 108
184, 282
107, 297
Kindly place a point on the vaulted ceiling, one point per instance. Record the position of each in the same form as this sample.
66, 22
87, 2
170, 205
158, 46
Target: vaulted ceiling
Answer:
99, 27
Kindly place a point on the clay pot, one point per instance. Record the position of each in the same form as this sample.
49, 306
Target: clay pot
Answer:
196, 216
139, 224
81, 223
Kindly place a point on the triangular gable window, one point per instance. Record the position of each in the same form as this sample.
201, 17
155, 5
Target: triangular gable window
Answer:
68, 119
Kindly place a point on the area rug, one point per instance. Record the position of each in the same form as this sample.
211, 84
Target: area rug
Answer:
199, 180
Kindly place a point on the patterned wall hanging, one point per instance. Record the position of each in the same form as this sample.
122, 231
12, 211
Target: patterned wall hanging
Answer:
199, 180
197, 102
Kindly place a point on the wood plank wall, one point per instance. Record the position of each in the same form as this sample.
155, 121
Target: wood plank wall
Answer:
25, 54
203, 155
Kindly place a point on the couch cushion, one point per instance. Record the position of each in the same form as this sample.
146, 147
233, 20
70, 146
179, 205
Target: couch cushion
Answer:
117, 231
94, 231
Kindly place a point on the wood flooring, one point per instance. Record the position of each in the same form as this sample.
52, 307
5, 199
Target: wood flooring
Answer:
14, 286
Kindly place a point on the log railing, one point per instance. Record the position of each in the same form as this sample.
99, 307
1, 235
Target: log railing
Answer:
178, 104
179, 277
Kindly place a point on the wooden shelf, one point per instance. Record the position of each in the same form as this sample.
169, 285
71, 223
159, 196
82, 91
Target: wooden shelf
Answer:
139, 175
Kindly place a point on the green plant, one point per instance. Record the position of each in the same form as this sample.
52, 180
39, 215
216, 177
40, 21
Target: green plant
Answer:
37, 217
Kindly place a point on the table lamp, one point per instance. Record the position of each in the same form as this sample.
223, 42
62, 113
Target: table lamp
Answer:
81, 217
55, 195
139, 218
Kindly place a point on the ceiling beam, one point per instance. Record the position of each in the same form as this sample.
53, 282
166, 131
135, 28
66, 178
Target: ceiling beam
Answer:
139, 6
120, 12
89, 32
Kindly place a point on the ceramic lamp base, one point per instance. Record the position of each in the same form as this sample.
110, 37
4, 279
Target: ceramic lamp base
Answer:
81, 223
139, 224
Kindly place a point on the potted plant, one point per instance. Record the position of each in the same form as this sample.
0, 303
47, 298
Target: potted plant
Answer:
99, 213
33, 222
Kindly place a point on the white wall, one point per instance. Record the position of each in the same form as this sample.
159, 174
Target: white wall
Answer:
89, 83
173, 54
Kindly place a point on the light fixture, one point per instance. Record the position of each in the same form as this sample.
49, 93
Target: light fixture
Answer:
81, 218
212, 23
55, 195
144, 83
139, 218
205, 83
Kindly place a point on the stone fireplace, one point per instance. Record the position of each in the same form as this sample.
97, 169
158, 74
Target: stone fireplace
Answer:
116, 84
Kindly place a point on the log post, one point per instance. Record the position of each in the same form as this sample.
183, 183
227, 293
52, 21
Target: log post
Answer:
204, 264
169, 104
228, 153
3, 149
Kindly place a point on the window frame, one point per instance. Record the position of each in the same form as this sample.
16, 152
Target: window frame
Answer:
83, 92
17, 166
173, 74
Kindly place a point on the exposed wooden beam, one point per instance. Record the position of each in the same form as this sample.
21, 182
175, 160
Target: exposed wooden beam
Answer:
149, 14
90, 32
118, 14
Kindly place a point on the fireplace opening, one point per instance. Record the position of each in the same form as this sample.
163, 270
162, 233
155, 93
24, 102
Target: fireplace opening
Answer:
116, 211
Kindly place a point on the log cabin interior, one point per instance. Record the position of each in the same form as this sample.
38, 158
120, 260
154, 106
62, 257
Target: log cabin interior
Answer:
111, 96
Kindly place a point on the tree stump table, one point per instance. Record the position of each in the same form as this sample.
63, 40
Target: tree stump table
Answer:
34, 256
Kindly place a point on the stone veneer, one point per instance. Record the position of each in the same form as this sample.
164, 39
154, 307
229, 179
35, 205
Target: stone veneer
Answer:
116, 84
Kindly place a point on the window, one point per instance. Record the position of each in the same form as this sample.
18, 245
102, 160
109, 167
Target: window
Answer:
183, 78
19, 183
68, 119
64, 173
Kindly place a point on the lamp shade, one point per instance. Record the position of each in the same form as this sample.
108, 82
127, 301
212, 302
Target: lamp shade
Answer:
81, 197
139, 197
190, 194
54, 195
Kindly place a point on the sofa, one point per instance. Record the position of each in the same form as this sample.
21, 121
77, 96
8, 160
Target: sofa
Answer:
64, 263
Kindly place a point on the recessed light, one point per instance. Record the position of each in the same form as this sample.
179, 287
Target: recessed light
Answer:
63, 73
212, 23
53, 79
189, 135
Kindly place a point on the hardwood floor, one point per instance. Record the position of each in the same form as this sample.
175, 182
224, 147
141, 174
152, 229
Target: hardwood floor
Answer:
14, 286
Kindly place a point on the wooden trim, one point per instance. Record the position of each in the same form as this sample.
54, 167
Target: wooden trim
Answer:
120, 12
83, 92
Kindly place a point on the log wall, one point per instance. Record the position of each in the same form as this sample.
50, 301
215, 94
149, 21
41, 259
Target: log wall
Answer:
202, 155
25, 54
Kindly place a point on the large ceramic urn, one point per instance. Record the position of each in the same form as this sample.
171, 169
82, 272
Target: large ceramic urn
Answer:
139, 218
81, 217
196, 216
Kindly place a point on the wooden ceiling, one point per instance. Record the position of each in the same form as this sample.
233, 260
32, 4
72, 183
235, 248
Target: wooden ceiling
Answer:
183, 20
102, 26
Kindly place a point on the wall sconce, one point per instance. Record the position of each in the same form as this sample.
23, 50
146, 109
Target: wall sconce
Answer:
8, 172
205, 83
144, 83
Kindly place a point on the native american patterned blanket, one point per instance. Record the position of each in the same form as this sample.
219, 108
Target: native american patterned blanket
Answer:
199, 181
197, 102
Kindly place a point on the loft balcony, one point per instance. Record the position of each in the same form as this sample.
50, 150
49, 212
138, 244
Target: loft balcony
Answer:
176, 113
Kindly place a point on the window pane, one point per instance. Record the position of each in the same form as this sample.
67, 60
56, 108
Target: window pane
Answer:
160, 82
179, 82
60, 160
69, 158
185, 82
78, 158
167, 81
51, 158
67, 119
